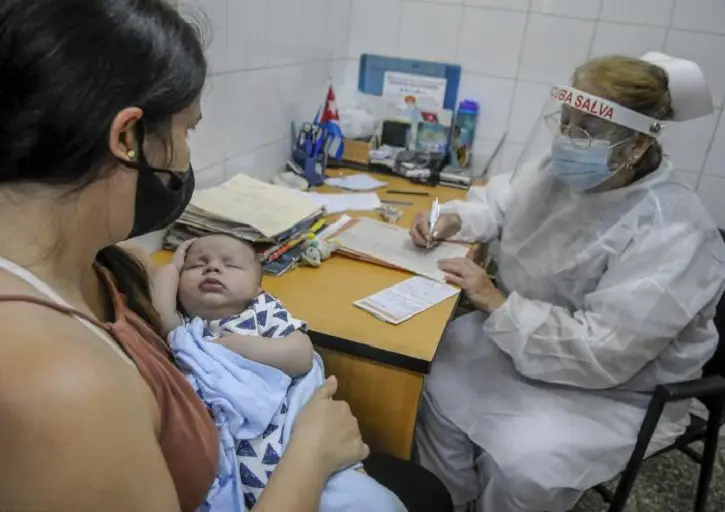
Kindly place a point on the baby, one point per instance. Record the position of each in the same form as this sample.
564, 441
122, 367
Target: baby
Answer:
218, 278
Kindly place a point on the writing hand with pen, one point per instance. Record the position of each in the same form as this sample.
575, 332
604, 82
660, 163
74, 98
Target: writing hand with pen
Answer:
427, 235
462, 272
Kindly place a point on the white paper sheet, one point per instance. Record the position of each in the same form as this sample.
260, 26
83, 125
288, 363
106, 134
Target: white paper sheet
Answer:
338, 203
429, 92
391, 244
406, 299
357, 182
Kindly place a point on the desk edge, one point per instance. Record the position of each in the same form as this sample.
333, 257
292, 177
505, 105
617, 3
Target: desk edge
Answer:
354, 348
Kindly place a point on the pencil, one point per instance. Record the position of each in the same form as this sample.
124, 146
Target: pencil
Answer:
408, 193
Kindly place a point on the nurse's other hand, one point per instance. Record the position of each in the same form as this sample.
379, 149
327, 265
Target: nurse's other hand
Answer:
327, 433
448, 225
474, 281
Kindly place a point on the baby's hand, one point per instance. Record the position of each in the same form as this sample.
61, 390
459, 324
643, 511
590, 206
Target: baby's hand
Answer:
180, 254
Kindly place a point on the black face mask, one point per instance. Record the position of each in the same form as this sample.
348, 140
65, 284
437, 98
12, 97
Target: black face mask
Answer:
158, 204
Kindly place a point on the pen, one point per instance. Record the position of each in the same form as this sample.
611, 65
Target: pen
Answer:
435, 213
397, 203
408, 193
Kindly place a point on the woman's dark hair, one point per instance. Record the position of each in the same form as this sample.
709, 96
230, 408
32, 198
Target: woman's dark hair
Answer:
67, 68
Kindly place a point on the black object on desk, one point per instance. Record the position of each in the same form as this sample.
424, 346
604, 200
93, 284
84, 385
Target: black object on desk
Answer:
408, 193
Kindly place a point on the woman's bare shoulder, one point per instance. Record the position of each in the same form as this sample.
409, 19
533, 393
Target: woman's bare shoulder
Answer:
45, 351
68, 402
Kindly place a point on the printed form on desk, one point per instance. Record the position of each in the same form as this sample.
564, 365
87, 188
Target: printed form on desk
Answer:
392, 245
406, 299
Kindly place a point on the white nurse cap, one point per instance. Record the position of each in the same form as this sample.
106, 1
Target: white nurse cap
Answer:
691, 97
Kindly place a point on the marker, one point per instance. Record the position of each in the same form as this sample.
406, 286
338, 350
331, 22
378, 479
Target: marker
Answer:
317, 226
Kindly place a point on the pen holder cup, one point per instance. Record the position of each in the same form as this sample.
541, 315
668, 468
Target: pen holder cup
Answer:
313, 167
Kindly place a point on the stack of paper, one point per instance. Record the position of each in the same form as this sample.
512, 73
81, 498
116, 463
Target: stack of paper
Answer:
404, 300
391, 245
248, 209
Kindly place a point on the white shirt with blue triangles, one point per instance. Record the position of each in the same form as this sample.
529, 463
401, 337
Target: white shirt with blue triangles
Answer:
266, 317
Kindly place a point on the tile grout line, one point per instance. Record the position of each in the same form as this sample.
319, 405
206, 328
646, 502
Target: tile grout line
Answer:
669, 25
401, 4
580, 18
596, 29
709, 148
349, 27
519, 65
459, 38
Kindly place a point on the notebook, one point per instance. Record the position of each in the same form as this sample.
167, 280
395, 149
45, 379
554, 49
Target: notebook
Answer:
391, 245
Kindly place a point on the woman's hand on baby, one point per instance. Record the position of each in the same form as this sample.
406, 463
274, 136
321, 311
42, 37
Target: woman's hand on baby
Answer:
448, 225
164, 289
474, 281
327, 430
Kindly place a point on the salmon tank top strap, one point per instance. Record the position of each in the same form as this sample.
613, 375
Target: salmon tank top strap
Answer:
53, 305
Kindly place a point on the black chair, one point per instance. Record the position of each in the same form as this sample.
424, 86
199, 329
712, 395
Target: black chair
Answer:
418, 489
710, 390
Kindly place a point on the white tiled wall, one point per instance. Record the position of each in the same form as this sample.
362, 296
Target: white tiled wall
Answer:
271, 60
270, 64
512, 50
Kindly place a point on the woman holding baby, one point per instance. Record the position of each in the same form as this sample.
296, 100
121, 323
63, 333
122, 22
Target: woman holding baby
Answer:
94, 415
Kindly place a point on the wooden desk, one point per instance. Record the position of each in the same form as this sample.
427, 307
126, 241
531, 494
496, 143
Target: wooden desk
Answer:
380, 367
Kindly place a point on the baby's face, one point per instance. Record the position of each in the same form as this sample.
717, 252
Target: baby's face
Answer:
220, 277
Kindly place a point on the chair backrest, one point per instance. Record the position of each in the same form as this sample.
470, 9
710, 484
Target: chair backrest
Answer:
716, 365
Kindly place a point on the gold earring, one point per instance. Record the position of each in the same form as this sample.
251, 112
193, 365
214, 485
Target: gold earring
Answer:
131, 154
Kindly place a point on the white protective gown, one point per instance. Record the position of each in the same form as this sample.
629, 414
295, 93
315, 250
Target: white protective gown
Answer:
609, 295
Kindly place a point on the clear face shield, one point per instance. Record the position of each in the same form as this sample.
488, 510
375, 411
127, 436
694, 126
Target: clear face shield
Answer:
583, 140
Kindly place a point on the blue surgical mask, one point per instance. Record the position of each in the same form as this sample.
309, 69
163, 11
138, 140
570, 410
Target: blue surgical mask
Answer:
579, 168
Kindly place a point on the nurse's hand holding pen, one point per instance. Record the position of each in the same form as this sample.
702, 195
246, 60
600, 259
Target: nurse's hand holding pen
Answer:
447, 226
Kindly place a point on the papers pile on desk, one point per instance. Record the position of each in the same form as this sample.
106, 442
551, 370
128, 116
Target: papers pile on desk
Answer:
263, 214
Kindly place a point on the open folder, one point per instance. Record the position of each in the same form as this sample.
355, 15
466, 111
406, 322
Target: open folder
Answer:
390, 245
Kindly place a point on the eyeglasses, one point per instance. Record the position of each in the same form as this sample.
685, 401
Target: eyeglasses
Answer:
560, 125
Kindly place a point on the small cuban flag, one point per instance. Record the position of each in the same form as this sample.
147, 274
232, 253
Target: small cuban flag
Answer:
330, 121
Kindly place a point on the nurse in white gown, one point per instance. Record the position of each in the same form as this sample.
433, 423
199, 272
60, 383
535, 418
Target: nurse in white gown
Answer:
609, 274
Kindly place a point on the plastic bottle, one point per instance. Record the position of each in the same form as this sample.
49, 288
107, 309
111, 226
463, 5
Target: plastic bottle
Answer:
464, 133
